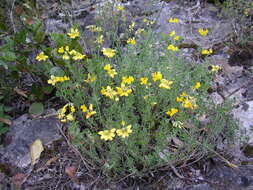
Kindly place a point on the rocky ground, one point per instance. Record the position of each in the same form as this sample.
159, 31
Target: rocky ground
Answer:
61, 166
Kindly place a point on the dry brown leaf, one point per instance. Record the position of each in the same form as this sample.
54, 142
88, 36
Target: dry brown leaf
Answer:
18, 179
35, 150
6, 121
20, 92
71, 172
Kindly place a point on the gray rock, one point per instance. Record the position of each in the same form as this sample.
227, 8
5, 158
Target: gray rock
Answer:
23, 132
200, 187
245, 116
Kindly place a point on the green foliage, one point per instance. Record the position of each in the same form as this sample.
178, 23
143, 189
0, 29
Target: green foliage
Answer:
242, 12
3, 115
155, 137
36, 108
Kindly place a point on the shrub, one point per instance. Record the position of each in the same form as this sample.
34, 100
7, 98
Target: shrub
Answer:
137, 105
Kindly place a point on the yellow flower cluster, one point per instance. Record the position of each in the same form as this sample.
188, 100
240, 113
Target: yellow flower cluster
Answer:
173, 20
41, 57
110, 93
131, 41
148, 22
68, 108
139, 31
172, 112
120, 7
203, 32
100, 39
197, 85
157, 76
172, 47
127, 79
123, 90
131, 26
165, 84
172, 34
187, 101
67, 53
111, 72
89, 112
94, 28
108, 52
207, 51
74, 33
110, 134
53, 79
215, 68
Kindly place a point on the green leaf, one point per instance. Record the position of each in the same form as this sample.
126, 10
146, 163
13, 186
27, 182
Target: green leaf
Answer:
39, 36
57, 71
20, 37
59, 39
8, 56
36, 108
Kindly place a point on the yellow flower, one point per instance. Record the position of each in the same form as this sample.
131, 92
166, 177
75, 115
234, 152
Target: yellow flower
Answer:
143, 80
123, 123
41, 57
177, 38
207, 52
72, 108
123, 90
65, 56
131, 26
148, 22
70, 117
197, 85
172, 33
173, 20
108, 52
125, 131
74, 33
203, 32
179, 99
120, 8
53, 79
189, 102
165, 84
172, 112
100, 39
90, 78
139, 31
78, 56
83, 108
89, 112
127, 80
61, 50
157, 76
67, 48
107, 134
94, 28
107, 67
215, 68
112, 73
131, 41
109, 92
172, 47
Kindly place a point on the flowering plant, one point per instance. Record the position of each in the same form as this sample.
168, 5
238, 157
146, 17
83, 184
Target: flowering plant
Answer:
126, 103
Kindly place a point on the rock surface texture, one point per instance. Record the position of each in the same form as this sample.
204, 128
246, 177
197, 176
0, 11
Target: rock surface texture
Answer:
23, 132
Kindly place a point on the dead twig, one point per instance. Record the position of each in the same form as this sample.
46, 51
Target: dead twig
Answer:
11, 16
5, 121
74, 148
